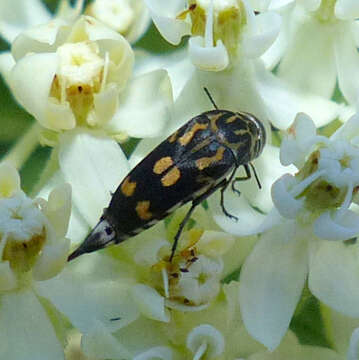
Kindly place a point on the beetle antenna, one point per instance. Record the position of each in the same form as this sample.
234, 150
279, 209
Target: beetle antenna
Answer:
210, 98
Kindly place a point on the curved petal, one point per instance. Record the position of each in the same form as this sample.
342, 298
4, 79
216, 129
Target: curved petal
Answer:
94, 166
303, 64
38, 39
248, 218
150, 302
210, 336
7, 62
58, 208
347, 61
33, 92
311, 5
15, 16
9, 180
346, 9
260, 34
8, 280
26, 329
283, 102
208, 58
268, 169
164, 16
90, 286
156, 100
53, 257
333, 276
273, 275
98, 343
331, 227
287, 205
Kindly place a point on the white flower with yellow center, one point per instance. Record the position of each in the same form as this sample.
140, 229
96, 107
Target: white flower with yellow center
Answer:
214, 333
83, 71
128, 17
226, 42
317, 46
33, 248
315, 213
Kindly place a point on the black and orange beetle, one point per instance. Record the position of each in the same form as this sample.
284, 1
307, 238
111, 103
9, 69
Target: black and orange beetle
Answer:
199, 158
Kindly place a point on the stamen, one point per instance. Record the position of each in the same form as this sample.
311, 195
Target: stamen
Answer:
346, 203
105, 71
165, 282
299, 188
208, 33
201, 350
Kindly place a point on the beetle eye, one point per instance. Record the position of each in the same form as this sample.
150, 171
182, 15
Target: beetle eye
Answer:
108, 230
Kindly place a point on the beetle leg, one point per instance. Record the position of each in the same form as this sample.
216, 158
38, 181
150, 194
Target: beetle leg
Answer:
195, 202
247, 177
241, 178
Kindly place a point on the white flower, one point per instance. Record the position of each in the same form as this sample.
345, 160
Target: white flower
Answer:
319, 47
33, 248
130, 18
84, 83
234, 74
313, 207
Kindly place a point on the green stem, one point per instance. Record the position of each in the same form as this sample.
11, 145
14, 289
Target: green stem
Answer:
21, 151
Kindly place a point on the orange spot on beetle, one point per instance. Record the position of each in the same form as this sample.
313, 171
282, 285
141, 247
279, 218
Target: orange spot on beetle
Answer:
128, 187
204, 162
171, 177
142, 209
162, 165
188, 135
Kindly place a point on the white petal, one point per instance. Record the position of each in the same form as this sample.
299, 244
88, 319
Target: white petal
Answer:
8, 280
156, 99
7, 62
311, 5
283, 102
215, 243
150, 302
38, 39
164, 16
52, 260
177, 64
100, 344
26, 329
58, 208
330, 227
287, 205
346, 9
268, 168
260, 34
303, 64
208, 335
211, 58
105, 104
94, 166
159, 352
353, 351
248, 218
88, 290
33, 92
15, 16
348, 130
333, 276
347, 61
273, 275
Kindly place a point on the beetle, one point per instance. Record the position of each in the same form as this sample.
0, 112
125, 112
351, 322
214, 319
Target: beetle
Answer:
199, 158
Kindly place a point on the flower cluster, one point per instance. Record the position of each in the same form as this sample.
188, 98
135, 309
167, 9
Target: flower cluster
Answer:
267, 266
